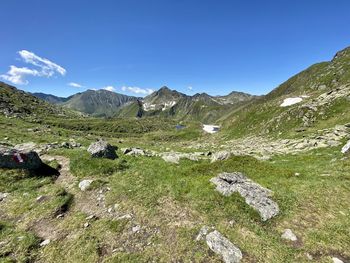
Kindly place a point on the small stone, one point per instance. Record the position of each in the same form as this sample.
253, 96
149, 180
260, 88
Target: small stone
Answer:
171, 158
86, 225
91, 217
220, 156
102, 149
136, 229
222, 246
337, 260
60, 216
3, 196
297, 174
85, 185
40, 198
45, 242
309, 256
289, 235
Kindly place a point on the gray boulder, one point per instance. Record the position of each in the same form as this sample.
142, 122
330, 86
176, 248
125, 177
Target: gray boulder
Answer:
220, 156
19, 159
222, 246
102, 149
254, 194
346, 147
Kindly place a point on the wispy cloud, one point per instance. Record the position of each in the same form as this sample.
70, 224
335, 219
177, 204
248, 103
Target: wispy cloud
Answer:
137, 90
190, 87
44, 68
109, 88
75, 85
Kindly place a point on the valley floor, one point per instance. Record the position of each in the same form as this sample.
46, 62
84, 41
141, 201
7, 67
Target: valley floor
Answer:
143, 209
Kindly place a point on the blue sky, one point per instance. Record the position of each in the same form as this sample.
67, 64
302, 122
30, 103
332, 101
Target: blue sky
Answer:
193, 46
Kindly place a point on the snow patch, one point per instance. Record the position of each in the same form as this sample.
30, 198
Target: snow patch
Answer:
290, 101
211, 128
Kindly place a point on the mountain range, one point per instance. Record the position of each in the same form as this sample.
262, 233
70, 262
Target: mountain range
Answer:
164, 102
313, 98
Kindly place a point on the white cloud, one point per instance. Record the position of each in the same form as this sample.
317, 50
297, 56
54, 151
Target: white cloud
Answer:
190, 87
75, 85
109, 88
137, 90
17, 75
46, 68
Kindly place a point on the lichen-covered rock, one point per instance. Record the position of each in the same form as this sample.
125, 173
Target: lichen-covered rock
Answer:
222, 246
254, 194
19, 159
102, 149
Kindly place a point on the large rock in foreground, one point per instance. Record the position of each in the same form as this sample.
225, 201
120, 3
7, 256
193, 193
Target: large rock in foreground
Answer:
102, 149
19, 159
222, 246
255, 195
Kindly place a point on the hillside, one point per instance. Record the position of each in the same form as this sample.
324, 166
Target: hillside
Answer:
322, 91
17, 103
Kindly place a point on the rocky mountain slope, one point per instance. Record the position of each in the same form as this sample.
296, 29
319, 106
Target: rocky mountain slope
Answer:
316, 98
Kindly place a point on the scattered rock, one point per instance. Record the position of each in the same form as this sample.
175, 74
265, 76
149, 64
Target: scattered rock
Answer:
133, 151
289, 235
3, 196
346, 147
86, 225
136, 229
171, 158
85, 185
220, 156
19, 159
45, 242
102, 149
255, 195
222, 246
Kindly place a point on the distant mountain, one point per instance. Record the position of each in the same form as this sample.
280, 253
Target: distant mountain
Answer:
50, 98
171, 103
98, 102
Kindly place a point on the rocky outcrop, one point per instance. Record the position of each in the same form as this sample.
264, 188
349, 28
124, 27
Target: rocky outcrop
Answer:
102, 149
254, 194
19, 159
223, 247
